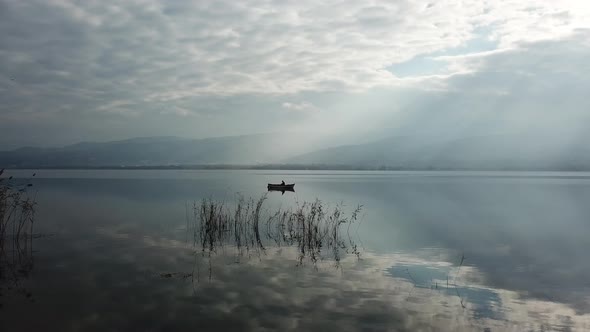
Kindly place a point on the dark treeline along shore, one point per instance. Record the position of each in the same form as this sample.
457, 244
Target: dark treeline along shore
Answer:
313, 167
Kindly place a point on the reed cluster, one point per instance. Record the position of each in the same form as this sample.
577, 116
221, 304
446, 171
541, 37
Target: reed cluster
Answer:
316, 231
17, 213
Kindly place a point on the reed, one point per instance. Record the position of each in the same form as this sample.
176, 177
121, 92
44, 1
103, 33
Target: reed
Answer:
17, 213
313, 229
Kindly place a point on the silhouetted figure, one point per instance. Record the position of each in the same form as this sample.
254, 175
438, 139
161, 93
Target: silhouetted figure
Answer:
283, 183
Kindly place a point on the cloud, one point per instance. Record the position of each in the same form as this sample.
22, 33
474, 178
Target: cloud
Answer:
71, 60
536, 88
304, 107
179, 111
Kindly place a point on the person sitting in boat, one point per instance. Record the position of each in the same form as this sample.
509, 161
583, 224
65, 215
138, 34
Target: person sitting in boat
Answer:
282, 183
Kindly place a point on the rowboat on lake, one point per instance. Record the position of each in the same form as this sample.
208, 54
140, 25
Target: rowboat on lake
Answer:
281, 187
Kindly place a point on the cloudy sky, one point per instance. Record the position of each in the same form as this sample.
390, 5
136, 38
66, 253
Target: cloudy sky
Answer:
102, 70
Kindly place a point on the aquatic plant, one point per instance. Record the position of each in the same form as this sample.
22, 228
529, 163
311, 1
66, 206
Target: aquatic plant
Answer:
17, 212
314, 230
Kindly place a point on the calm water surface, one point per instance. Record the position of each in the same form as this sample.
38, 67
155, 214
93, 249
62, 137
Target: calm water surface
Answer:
440, 251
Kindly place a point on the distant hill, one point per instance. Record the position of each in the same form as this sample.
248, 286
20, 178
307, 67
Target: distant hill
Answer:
161, 151
301, 152
483, 152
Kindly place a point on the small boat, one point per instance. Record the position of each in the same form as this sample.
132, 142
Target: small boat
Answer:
281, 187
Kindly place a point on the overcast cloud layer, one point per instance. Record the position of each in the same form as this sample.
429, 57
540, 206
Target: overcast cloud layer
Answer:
100, 70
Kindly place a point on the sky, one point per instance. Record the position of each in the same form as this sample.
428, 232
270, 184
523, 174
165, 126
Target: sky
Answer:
102, 70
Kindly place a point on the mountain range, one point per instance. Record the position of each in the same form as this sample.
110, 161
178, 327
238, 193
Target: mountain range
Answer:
150, 151
481, 152
395, 152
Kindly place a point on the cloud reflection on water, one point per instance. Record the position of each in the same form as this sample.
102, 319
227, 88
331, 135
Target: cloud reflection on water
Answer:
269, 292
523, 239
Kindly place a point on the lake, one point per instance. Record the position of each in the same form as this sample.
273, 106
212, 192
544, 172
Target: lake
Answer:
116, 250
